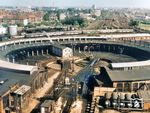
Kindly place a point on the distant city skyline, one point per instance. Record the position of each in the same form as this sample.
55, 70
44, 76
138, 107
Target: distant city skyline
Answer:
78, 3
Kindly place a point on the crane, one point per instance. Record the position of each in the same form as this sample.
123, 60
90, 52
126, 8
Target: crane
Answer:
45, 33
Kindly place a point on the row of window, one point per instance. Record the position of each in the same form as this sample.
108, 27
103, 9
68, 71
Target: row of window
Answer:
128, 87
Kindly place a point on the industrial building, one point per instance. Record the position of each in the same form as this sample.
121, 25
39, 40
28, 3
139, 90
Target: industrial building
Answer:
127, 101
6, 88
62, 51
13, 98
47, 106
145, 95
130, 65
21, 97
126, 81
12, 30
3, 30
16, 88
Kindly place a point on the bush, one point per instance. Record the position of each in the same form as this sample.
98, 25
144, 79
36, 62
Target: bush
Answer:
133, 23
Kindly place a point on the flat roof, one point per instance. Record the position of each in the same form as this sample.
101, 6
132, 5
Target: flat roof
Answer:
17, 67
131, 64
47, 103
129, 75
22, 90
23, 79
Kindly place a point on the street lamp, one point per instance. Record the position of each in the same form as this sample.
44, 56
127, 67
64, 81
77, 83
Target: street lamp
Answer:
73, 50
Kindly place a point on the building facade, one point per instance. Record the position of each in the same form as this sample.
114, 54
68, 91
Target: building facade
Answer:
3, 30
6, 99
62, 51
126, 80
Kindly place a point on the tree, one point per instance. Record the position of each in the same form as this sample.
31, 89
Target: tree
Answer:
46, 16
75, 20
133, 23
58, 14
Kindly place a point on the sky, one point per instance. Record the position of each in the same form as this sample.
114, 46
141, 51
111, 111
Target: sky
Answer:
78, 3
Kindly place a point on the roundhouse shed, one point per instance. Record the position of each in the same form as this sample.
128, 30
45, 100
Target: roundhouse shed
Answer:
24, 43
17, 67
130, 65
124, 81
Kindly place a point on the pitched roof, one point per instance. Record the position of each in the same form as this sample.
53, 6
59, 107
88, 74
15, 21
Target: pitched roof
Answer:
6, 84
23, 79
47, 103
59, 46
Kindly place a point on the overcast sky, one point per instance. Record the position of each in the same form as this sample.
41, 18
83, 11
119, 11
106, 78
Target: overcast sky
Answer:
78, 3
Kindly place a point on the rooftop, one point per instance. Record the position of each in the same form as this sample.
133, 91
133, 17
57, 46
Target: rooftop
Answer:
6, 84
47, 103
131, 64
17, 67
22, 90
23, 79
129, 75
59, 46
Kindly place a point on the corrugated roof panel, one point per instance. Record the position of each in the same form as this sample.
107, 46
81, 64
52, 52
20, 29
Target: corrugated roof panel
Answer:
129, 75
131, 64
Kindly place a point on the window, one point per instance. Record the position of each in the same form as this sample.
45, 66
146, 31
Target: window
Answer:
12, 103
141, 86
127, 87
6, 101
148, 86
135, 86
47, 110
119, 87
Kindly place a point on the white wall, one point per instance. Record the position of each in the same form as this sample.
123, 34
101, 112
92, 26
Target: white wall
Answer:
67, 52
3, 30
25, 22
42, 110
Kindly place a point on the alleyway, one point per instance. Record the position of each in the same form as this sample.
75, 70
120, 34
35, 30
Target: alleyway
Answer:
40, 93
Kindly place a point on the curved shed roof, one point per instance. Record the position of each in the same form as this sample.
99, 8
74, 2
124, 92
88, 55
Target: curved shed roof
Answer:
131, 64
17, 67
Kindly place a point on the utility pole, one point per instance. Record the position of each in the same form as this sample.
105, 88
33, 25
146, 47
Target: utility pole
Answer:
73, 50
53, 3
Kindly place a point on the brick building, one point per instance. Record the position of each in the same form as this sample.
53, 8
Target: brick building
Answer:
20, 17
7, 86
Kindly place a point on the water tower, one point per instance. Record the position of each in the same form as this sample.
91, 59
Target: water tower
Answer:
12, 30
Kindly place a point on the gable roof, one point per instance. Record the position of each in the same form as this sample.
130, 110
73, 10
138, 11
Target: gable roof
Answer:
6, 84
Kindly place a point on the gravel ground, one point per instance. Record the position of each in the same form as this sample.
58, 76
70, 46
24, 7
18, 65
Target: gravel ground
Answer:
110, 56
